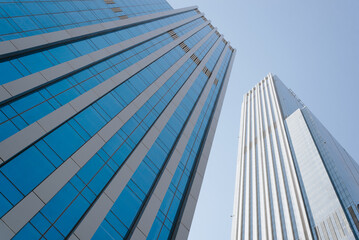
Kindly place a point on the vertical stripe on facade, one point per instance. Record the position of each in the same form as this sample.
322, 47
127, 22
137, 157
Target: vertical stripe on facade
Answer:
292, 171
268, 206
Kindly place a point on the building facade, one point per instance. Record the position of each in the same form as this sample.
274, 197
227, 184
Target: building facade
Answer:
107, 114
294, 180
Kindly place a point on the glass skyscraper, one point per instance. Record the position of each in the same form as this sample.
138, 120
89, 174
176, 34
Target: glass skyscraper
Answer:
107, 114
294, 180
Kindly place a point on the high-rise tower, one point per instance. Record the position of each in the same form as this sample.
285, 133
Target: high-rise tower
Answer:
107, 114
294, 180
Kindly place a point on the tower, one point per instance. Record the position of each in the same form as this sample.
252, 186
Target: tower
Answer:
108, 111
294, 180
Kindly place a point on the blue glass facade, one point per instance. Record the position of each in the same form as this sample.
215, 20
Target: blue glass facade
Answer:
101, 102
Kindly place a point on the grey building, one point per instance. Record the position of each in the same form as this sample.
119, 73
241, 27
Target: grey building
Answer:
294, 180
108, 110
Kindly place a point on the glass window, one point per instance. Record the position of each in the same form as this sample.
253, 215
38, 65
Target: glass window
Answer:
64, 141
28, 232
96, 123
28, 169
36, 62
40, 222
59, 202
143, 177
25, 23
7, 188
7, 129
8, 72
62, 54
126, 206
5, 205
69, 218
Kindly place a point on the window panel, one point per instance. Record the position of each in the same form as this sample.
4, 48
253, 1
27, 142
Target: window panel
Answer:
40, 223
28, 232
69, 218
8, 71
59, 202
29, 169
64, 141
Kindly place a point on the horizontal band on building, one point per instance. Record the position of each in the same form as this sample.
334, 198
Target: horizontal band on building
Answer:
18, 46
13, 145
27, 84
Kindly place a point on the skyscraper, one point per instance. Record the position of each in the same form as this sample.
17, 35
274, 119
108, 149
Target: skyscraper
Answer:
294, 180
107, 114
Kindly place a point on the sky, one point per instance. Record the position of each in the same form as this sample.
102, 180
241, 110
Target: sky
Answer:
313, 47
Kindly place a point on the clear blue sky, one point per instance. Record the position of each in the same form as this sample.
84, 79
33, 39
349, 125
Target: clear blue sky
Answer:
313, 47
